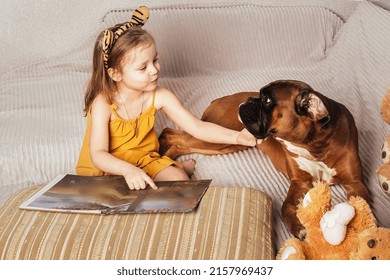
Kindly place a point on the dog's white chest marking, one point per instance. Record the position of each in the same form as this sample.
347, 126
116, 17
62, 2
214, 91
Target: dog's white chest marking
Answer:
306, 162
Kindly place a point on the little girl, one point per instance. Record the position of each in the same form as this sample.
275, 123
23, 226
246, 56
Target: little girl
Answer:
121, 101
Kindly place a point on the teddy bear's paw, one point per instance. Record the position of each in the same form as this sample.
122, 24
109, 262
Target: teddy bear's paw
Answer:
306, 200
313, 205
318, 197
334, 223
287, 252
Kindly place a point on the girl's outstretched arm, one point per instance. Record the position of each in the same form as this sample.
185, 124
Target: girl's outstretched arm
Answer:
206, 131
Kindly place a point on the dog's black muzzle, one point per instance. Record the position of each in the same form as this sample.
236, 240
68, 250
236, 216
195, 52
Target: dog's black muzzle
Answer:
255, 117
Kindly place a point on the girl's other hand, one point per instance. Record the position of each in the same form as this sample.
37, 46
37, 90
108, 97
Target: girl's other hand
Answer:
137, 179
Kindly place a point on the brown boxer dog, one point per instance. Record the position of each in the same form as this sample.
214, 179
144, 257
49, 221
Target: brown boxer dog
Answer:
307, 136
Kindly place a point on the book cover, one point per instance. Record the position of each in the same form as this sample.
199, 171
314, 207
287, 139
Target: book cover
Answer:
111, 195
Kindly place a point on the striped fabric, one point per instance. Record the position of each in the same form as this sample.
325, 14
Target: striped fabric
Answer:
230, 223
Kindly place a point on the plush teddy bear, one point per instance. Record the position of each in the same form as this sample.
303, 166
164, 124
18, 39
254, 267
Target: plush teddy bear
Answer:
346, 231
384, 170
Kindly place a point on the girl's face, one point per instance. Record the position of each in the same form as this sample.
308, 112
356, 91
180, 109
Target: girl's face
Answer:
139, 71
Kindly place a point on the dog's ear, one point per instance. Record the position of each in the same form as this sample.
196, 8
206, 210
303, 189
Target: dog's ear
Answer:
309, 104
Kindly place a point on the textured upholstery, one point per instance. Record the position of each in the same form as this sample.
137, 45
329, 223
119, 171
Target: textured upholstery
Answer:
229, 223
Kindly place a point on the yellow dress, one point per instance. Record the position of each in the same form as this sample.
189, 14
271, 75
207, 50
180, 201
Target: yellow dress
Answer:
140, 150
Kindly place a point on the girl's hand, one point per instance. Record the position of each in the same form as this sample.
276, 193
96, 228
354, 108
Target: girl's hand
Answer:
137, 179
245, 138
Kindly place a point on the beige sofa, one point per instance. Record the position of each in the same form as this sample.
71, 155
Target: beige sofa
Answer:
207, 49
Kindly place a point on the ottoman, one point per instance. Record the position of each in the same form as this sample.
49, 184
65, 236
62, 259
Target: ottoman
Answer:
229, 223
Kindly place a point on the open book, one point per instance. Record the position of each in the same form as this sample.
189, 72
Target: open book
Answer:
110, 194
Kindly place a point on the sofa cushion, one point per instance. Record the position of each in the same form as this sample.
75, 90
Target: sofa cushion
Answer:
230, 223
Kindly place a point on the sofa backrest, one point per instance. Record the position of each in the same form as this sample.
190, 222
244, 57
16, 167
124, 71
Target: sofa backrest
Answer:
204, 40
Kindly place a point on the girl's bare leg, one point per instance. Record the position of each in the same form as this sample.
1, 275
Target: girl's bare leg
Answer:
172, 173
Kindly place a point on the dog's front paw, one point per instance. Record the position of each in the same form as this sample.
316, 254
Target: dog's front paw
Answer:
298, 230
291, 220
302, 234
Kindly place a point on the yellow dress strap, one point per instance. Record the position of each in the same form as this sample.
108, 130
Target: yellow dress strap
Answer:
113, 110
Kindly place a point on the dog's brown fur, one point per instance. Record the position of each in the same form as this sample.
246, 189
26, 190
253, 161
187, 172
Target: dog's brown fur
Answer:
327, 133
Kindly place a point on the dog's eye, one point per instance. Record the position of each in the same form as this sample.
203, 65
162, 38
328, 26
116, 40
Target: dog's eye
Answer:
266, 101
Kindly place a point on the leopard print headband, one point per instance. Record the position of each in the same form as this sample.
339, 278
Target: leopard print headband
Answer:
139, 17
